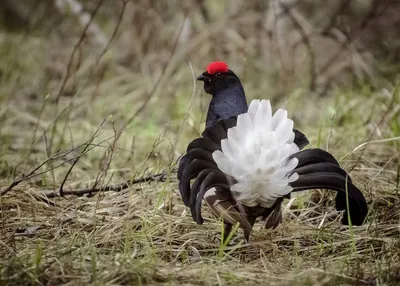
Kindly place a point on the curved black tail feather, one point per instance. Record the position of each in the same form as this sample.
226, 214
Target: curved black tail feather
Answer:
318, 169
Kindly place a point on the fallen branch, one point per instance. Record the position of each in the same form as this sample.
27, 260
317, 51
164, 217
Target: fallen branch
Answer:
30, 175
88, 146
115, 188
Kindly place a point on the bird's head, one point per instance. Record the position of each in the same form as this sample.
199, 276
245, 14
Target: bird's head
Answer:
218, 77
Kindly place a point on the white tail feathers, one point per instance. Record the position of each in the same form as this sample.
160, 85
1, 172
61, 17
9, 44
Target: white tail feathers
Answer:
256, 153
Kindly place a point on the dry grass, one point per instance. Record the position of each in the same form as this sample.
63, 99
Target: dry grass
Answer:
143, 234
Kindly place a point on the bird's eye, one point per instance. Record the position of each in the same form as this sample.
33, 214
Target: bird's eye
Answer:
218, 74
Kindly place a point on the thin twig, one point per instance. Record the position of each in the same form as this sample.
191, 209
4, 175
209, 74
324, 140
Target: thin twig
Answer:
35, 129
390, 107
160, 79
75, 49
24, 177
273, 33
105, 162
340, 10
115, 188
307, 42
348, 40
56, 156
50, 163
110, 41
76, 8
78, 157
187, 111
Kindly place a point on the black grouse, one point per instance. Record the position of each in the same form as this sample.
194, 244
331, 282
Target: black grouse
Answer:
249, 159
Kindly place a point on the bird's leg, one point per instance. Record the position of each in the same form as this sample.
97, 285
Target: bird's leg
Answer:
252, 220
275, 218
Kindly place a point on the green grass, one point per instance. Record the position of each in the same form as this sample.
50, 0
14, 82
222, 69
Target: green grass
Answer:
144, 234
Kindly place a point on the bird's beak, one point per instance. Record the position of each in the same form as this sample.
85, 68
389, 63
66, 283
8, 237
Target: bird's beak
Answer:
203, 78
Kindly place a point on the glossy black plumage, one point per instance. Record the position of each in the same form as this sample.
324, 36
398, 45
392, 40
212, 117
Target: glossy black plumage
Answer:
201, 180
228, 99
190, 171
317, 169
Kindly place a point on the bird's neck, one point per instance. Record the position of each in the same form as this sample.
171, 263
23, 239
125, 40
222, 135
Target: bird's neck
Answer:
226, 103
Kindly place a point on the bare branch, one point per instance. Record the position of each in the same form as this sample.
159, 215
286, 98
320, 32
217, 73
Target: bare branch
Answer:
113, 35
344, 5
160, 79
88, 146
76, 8
306, 40
382, 119
107, 158
78, 157
75, 50
25, 177
115, 188
187, 111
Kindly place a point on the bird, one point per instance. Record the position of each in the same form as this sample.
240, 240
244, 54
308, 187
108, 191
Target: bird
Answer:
249, 159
